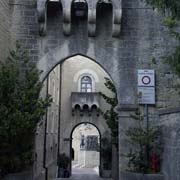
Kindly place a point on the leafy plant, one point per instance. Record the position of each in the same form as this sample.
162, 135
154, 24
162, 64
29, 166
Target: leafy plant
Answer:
167, 5
146, 144
21, 108
106, 153
111, 116
63, 161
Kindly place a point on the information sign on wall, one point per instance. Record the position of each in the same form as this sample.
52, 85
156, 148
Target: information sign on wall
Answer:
146, 86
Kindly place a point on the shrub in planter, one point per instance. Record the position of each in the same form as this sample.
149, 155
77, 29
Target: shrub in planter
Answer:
106, 153
63, 166
20, 110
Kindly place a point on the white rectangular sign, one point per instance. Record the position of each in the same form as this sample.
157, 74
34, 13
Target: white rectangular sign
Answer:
146, 86
146, 95
146, 77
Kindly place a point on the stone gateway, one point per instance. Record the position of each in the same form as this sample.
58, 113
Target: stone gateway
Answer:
74, 39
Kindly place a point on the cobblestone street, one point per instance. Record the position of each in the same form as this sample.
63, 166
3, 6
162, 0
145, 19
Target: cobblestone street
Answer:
84, 174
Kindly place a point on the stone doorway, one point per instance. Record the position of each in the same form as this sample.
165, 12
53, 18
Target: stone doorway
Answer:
81, 81
85, 140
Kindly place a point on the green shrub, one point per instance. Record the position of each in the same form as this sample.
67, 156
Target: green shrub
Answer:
63, 161
111, 116
106, 153
145, 144
21, 108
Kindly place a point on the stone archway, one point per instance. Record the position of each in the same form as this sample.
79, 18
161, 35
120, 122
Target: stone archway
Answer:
80, 107
50, 60
86, 153
56, 128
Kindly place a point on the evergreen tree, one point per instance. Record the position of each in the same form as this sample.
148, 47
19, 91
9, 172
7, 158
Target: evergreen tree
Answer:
21, 108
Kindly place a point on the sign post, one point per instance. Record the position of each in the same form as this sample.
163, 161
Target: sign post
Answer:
146, 94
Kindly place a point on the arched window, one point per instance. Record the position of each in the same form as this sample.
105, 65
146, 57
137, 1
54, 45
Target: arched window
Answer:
86, 84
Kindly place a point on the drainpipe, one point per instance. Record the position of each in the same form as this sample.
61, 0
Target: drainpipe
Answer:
45, 137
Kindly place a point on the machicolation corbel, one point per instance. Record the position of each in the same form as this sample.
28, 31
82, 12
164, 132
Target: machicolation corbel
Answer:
66, 5
92, 17
42, 16
117, 15
92, 6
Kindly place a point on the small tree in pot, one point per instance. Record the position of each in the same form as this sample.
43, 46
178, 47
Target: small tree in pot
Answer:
106, 153
63, 166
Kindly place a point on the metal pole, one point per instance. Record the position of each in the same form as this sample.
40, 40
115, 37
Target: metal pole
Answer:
147, 118
147, 132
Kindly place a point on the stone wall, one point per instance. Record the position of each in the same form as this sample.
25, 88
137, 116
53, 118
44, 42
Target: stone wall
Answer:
46, 146
171, 131
142, 38
39, 169
4, 28
24, 26
52, 121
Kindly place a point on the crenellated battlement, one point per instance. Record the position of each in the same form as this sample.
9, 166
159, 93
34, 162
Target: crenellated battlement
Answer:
86, 7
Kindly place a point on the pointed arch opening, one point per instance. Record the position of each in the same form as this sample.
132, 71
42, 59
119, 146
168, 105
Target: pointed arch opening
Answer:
72, 107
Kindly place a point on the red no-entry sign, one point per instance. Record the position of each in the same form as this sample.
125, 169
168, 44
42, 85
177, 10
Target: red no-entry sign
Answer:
146, 80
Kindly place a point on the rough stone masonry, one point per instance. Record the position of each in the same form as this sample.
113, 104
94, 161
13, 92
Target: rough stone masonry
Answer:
4, 28
122, 37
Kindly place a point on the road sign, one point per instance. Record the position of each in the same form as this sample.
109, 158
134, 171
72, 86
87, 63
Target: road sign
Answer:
146, 86
146, 95
146, 77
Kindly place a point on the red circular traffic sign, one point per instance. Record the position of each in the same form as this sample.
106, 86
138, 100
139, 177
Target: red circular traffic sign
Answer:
146, 80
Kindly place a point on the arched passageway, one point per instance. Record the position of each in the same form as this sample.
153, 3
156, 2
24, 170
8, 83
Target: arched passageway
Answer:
74, 85
82, 80
85, 140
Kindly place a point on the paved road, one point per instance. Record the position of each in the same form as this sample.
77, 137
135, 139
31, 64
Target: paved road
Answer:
84, 174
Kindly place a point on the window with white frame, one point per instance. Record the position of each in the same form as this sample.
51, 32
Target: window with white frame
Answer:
86, 84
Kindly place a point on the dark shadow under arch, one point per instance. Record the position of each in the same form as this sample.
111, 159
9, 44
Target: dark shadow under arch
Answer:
72, 153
